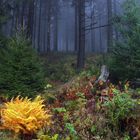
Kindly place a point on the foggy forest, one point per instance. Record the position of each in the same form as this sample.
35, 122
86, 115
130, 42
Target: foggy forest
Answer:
69, 69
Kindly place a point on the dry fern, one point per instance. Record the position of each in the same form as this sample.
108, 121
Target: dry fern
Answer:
22, 115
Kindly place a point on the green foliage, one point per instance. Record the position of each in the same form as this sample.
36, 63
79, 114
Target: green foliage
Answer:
119, 108
126, 137
60, 71
93, 129
125, 59
47, 137
77, 103
20, 68
72, 131
59, 110
60, 67
71, 128
92, 70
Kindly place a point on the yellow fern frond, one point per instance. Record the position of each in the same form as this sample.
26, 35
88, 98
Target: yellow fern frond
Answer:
24, 115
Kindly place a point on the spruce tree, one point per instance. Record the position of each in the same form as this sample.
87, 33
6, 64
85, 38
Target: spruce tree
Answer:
21, 71
125, 60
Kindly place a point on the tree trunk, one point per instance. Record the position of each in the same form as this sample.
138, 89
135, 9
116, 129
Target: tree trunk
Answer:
110, 30
34, 25
30, 18
67, 35
76, 26
115, 12
49, 27
81, 24
56, 32
39, 26
22, 14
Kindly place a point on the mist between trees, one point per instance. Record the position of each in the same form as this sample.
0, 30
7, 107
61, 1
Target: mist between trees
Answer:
54, 25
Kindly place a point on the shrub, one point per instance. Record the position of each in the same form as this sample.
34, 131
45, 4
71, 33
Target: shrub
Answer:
119, 108
20, 68
125, 59
24, 116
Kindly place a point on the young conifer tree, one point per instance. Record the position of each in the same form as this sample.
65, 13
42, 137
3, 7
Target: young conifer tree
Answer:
21, 70
125, 60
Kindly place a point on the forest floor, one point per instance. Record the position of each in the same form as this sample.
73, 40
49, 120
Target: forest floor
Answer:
107, 111
77, 95
61, 67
